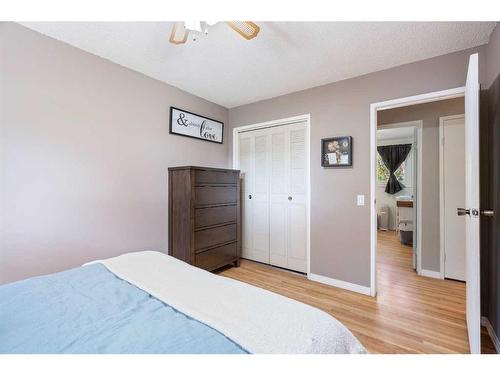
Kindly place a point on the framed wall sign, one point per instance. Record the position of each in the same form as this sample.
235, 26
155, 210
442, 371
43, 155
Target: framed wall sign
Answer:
336, 152
195, 126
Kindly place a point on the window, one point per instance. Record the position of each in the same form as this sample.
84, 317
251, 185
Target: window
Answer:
383, 172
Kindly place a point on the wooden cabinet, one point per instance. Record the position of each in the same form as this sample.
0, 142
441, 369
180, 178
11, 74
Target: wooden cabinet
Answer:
204, 216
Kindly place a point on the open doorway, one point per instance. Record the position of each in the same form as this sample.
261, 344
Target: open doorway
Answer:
420, 183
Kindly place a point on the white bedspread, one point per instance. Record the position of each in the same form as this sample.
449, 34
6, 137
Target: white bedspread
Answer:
259, 320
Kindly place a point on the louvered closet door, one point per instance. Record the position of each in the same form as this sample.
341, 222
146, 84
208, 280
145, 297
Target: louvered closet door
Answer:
288, 192
278, 196
246, 173
253, 164
297, 208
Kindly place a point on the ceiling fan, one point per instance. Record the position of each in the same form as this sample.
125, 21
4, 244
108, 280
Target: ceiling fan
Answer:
181, 30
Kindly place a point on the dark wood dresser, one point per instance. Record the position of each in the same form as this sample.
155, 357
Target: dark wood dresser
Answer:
204, 216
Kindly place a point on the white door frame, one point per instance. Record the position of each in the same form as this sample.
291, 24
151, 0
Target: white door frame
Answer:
278, 122
374, 107
441, 189
418, 124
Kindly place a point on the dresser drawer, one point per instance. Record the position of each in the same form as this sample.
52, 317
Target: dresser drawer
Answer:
214, 236
204, 217
216, 177
205, 195
217, 257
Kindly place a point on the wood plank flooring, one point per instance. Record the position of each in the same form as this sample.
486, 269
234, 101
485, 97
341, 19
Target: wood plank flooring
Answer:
411, 314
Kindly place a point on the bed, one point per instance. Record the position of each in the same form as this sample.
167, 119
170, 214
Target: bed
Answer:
149, 302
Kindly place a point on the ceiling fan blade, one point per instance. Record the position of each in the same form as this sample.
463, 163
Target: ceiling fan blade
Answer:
246, 29
177, 36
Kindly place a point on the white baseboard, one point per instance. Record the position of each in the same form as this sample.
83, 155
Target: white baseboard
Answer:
340, 284
485, 322
429, 273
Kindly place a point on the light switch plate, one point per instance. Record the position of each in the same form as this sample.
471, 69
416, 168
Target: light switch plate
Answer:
361, 200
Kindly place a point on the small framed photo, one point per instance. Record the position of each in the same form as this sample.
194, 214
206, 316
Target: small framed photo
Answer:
336, 152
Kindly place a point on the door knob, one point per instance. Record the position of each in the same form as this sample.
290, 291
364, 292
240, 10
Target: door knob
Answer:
463, 211
289, 198
249, 196
487, 212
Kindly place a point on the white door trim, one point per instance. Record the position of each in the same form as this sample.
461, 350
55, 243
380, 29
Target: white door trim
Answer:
419, 197
340, 284
418, 186
374, 107
441, 189
278, 122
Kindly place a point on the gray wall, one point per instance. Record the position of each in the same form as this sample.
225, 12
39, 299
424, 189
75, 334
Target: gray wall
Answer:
84, 152
429, 113
340, 245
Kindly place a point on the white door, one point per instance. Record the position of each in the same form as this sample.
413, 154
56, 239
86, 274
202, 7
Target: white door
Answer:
253, 164
279, 189
453, 195
246, 172
273, 164
288, 192
472, 204
297, 199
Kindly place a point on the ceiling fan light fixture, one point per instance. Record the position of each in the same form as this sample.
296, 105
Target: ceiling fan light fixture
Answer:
247, 29
193, 26
178, 35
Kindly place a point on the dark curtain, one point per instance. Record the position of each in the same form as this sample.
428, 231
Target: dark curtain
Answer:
393, 156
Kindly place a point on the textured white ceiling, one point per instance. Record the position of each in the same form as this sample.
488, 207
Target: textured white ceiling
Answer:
285, 57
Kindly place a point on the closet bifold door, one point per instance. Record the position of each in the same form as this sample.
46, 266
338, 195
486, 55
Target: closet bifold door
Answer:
297, 205
254, 167
288, 192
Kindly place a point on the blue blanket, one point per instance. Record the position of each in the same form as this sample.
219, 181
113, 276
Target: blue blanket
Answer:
89, 310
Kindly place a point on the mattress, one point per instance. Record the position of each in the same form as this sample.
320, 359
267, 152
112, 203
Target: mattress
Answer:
90, 310
148, 302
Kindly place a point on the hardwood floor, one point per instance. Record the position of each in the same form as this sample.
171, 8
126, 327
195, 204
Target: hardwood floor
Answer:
411, 314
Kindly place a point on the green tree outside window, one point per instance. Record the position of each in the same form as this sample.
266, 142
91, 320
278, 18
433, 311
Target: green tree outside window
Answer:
383, 172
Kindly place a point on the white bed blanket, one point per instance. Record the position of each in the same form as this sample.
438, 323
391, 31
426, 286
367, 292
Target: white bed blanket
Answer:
258, 320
